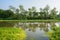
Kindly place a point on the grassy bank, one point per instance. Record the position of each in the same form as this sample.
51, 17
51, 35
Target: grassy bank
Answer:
9, 33
33, 20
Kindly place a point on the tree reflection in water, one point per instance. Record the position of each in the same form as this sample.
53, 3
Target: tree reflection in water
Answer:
44, 26
30, 26
53, 25
33, 26
7, 24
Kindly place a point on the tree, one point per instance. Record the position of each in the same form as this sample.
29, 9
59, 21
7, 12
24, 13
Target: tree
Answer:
29, 13
46, 11
17, 12
58, 16
6, 14
34, 13
12, 8
53, 13
33, 9
21, 8
22, 12
41, 13
1, 11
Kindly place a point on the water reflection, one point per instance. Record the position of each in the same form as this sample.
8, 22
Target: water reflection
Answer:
7, 24
34, 30
41, 25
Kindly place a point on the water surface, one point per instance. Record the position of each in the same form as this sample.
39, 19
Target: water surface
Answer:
34, 30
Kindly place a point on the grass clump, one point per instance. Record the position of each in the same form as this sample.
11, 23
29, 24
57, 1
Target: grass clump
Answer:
12, 34
54, 34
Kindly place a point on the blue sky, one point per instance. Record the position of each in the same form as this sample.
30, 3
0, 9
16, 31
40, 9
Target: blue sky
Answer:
4, 4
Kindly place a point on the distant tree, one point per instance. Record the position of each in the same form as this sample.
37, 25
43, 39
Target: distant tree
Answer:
22, 12
21, 8
5, 14
46, 11
53, 13
41, 13
58, 16
12, 8
1, 11
34, 13
17, 14
29, 13
33, 9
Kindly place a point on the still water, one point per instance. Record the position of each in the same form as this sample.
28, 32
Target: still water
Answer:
34, 30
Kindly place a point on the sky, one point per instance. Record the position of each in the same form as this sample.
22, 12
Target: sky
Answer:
4, 4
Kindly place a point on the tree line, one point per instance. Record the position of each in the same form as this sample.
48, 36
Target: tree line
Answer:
31, 14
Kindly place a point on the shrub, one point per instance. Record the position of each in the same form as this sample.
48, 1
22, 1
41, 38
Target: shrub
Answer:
54, 34
12, 34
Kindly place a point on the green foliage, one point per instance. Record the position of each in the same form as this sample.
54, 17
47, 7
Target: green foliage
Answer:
31, 14
54, 34
6, 14
53, 13
7, 33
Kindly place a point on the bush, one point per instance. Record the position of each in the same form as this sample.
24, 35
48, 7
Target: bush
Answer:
54, 34
12, 34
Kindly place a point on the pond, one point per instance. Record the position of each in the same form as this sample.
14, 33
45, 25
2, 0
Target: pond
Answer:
34, 30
